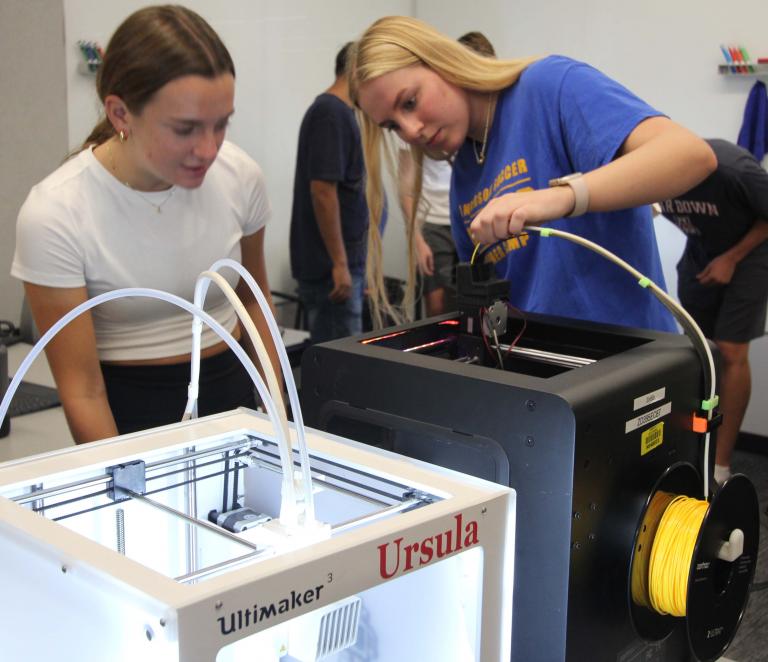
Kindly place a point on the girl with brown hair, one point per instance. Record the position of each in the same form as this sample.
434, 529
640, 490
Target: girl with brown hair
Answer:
153, 198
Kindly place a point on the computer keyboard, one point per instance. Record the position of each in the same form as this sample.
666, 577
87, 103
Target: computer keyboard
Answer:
30, 398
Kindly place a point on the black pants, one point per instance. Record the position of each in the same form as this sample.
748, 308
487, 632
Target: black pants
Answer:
143, 397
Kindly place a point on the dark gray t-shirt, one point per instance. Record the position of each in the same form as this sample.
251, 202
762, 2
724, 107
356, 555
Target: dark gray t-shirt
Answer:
716, 214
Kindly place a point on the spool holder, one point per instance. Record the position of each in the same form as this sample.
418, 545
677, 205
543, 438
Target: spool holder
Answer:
722, 565
680, 478
718, 589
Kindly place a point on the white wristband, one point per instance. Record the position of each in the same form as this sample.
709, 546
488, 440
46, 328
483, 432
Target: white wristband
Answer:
580, 192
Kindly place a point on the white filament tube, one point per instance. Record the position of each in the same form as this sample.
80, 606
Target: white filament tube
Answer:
289, 501
293, 397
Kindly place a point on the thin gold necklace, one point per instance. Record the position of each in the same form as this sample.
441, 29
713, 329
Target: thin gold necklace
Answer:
480, 156
158, 206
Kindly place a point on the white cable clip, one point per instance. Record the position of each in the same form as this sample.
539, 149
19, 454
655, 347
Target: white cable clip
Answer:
733, 548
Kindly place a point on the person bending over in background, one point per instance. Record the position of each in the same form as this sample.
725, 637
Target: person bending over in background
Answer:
723, 274
436, 255
329, 220
154, 197
514, 129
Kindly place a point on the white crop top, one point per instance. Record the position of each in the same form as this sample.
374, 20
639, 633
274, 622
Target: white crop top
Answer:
80, 226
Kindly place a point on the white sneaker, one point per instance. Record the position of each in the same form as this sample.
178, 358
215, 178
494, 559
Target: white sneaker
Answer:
722, 473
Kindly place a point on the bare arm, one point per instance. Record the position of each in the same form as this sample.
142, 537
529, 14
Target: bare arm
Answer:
406, 176
74, 362
658, 160
325, 202
720, 270
252, 248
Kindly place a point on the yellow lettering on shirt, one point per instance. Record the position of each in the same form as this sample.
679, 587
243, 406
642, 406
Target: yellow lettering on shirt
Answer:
511, 178
502, 181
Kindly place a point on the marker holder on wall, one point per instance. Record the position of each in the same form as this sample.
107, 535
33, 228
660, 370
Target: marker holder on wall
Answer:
738, 62
92, 55
758, 70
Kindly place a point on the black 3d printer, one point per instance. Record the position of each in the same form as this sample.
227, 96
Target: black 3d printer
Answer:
591, 424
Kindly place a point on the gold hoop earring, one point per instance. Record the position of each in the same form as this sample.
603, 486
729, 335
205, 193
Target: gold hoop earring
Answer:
121, 135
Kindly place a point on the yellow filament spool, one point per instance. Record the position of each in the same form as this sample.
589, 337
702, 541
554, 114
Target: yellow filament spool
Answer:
672, 553
664, 552
645, 539
683, 571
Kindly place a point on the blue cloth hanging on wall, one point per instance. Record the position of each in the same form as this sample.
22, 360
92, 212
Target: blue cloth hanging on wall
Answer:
754, 130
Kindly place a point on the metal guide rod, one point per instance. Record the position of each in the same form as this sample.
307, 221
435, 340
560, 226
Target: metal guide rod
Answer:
541, 355
318, 476
217, 567
198, 522
190, 489
381, 514
322, 477
104, 479
548, 357
201, 454
61, 489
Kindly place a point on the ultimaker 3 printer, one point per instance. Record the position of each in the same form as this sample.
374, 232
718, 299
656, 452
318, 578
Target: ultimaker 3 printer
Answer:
108, 553
591, 424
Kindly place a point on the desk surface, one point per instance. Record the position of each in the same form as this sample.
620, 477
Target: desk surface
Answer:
295, 338
42, 431
47, 430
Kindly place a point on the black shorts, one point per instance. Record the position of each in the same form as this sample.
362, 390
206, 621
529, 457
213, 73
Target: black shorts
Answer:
735, 312
440, 240
143, 397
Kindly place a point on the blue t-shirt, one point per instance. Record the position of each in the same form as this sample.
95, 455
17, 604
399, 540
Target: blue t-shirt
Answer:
329, 150
563, 116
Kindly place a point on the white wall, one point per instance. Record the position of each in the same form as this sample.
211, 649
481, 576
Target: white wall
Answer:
33, 128
666, 52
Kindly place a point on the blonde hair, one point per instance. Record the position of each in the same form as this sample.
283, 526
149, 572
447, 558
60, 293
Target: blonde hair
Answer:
391, 43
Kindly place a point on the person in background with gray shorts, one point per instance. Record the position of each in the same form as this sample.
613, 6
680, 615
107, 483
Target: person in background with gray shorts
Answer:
723, 274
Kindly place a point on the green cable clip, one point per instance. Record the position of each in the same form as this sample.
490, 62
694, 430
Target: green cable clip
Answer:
644, 282
709, 405
545, 232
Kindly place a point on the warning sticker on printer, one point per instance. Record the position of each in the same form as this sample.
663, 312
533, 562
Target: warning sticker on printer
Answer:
647, 417
652, 438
